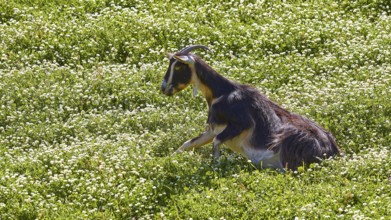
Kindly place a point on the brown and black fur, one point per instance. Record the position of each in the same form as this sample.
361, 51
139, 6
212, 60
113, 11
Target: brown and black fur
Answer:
246, 121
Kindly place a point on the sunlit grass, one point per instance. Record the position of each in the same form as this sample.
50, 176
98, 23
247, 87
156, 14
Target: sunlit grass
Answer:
85, 133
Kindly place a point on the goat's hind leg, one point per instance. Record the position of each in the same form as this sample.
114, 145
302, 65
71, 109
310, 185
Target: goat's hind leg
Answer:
199, 141
229, 132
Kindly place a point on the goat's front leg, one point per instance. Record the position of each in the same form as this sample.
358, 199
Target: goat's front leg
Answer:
199, 141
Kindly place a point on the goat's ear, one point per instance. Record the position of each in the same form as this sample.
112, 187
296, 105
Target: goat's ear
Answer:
187, 59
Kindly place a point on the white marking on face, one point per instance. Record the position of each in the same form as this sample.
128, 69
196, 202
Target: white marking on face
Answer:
164, 84
171, 72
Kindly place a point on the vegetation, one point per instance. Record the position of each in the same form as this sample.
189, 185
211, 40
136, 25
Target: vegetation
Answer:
86, 134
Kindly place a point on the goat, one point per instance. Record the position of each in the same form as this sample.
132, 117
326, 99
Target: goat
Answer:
245, 120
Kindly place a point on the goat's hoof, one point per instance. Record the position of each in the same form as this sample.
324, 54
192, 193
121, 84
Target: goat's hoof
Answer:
216, 154
216, 159
216, 163
177, 152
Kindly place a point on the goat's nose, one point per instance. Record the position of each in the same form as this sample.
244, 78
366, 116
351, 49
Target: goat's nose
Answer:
163, 86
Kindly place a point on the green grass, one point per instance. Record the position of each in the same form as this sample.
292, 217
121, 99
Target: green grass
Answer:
86, 134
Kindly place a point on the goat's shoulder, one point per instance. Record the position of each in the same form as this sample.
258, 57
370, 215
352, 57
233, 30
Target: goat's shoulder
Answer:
236, 98
233, 106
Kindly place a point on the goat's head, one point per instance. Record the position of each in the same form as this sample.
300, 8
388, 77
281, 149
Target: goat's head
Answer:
180, 71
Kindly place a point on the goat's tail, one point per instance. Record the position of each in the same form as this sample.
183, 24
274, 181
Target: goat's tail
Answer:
300, 147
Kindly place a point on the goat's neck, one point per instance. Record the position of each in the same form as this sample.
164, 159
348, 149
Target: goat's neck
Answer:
211, 84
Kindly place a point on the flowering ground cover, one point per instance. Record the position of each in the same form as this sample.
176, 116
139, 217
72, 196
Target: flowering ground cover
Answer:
86, 134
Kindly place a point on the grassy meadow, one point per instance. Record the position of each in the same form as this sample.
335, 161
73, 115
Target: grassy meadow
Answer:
86, 134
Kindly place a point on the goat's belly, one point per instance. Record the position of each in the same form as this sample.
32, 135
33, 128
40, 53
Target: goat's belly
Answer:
264, 158
261, 157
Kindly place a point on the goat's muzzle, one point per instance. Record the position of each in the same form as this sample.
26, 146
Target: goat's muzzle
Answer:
166, 89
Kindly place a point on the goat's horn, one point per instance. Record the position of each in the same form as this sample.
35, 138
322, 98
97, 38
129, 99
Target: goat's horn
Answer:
187, 49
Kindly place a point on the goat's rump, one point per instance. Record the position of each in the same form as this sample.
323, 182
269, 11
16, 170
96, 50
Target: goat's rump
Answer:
301, 141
